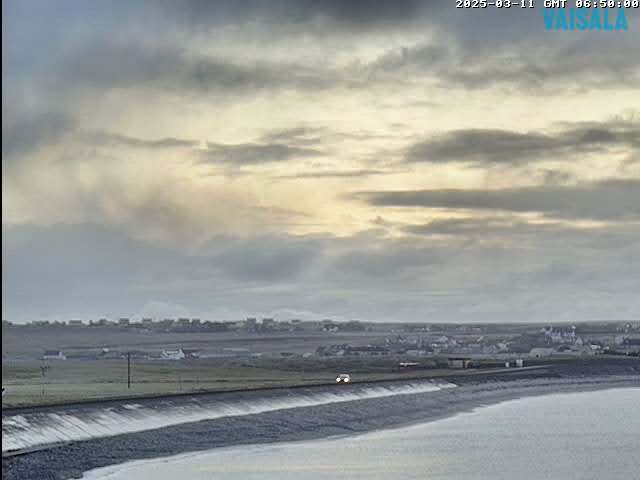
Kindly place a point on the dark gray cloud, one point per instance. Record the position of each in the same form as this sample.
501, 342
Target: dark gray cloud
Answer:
486, 147
86, 270
254, 153
67, 268
90, 269
556, 177
381, 263
105, 66
83, 58
472, 226
264, 258
513, 228
101, 66
107, 139
560, 74
343, 14
25, 132
335, 174
609, 199
301, 136
318, 136
515, 59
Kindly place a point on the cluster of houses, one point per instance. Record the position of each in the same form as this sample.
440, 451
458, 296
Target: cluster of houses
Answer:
179, 325
561, 335
548, 342
401, 346
446, 344
417, 341
170, 354
566, 341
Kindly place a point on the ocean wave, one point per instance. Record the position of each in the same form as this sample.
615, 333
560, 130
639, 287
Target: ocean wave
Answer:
34, 429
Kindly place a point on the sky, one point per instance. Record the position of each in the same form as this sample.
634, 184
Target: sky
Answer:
376, 161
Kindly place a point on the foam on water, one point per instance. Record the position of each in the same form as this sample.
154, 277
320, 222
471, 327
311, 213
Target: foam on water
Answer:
30, 430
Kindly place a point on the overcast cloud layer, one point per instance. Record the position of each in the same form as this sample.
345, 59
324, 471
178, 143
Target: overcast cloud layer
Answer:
387, 161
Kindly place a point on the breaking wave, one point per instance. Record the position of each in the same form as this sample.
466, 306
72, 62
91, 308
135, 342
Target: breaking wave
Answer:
22, 431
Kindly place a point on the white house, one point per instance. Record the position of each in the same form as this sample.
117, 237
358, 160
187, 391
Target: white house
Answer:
54, 355
173, 354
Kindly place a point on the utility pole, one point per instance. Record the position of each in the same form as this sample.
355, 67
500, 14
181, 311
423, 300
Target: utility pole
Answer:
43, 369
128, 369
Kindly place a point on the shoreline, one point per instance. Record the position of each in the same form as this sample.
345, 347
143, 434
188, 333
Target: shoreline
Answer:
142, 398
583, 367
111, 469
432, 445
72, 460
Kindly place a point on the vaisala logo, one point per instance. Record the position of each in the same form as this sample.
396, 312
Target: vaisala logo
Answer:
585, 19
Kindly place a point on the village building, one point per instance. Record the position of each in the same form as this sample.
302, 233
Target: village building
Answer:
54, 355
177, 354
459, 362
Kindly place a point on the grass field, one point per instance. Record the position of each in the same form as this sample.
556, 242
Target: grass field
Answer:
88, 379
28, 341
74, 379
85, 380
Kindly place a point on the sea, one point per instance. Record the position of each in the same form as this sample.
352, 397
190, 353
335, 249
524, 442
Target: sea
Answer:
591, 435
